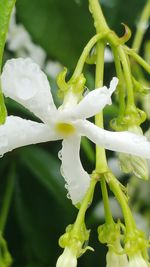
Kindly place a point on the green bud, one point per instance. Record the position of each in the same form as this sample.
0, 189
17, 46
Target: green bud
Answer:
108, 233
76, 240
132, 164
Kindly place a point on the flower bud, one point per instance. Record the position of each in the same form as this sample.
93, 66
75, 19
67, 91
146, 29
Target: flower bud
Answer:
67, 259
133, 164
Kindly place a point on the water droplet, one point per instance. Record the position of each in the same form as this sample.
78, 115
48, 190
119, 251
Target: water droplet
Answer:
60, 154
62, 171
85, 92
68, 196
66, 186
26, 89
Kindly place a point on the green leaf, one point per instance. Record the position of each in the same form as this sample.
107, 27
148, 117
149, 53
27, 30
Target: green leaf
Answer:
6, 7
46, 169
62, 28
5, 12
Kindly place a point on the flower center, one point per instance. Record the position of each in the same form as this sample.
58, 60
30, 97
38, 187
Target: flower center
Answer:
65, 129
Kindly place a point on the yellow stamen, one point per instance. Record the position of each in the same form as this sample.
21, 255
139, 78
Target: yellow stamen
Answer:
65, 129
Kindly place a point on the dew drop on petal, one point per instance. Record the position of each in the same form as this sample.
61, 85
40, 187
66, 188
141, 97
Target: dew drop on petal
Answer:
62, 172
68, 196
60, 155
25, 89
66, 186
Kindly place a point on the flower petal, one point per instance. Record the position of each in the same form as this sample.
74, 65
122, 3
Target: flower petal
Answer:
23, 81
76, 178
92, 103
18, 132
126, 142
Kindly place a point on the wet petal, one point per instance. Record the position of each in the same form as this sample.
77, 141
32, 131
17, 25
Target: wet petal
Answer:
23, 81
126, 142
92, 103
18, 132
76, 177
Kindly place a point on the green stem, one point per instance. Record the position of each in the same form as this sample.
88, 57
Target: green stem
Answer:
121, 83
87, 147
138, 59
99, 20
107, 210
127, 75
116, 189
101, 161
141, 27
84, 55
84, 206
7, 199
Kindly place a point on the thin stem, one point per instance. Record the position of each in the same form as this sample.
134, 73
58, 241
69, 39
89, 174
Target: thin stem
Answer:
138, 59
116, 189
107, 210
141, 27
99, 20
87, 147
121, 83
127, 75
101, 161
7, 199
84, 206
84, 55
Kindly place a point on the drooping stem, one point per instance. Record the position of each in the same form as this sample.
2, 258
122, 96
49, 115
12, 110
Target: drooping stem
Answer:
121, 83
101, 162
79, 68
7, 199
127, 75
84, 206
107, 210
141, 27
116, 189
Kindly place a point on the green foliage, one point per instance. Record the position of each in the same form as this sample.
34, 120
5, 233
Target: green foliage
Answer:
39, 209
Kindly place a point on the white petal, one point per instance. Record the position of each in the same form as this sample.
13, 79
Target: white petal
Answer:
92, 103
23, 81
18, 132
76, 178
126, 142
67, 259
137, 261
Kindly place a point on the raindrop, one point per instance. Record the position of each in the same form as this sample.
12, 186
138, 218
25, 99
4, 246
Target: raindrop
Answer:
66, 186
68, 196
26, 89
62, 171
60, 154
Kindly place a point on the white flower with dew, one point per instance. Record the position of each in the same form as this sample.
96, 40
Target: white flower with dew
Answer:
137, 260
23, 81
67, 259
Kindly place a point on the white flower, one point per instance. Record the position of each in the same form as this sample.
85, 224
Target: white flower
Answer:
53, 68
116, 260
24, 82
137, 261
67, 259
108, 56
19, 41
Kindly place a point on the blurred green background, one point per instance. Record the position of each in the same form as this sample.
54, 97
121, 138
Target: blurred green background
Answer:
39, 210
